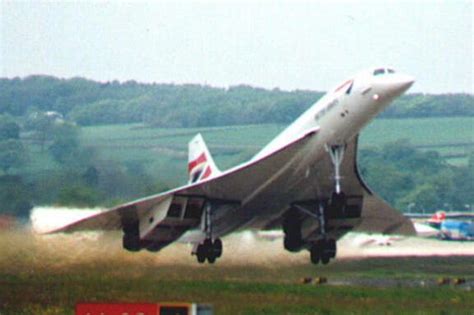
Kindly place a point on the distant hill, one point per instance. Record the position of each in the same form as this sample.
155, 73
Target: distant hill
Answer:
167, 105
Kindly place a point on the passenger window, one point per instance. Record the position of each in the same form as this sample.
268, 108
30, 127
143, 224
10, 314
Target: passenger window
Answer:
379, 72
391, 71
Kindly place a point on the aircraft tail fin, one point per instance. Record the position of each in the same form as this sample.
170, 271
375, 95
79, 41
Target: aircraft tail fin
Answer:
438, 217
200, 162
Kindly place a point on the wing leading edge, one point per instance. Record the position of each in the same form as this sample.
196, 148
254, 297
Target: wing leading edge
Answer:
377, 215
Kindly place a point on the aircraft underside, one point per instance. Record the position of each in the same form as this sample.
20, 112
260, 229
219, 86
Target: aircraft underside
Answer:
312, 223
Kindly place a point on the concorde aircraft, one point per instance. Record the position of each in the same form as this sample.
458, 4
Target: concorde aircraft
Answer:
305, 181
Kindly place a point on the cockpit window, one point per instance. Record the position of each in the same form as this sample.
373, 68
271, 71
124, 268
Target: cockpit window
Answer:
391, 71
379, 71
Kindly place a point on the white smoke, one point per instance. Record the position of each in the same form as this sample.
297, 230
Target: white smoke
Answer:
243, 248
45, 219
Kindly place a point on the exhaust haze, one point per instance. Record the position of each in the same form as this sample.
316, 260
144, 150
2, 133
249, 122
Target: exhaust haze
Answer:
24, 246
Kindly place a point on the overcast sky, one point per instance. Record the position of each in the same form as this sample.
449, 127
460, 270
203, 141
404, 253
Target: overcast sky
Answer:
289, 45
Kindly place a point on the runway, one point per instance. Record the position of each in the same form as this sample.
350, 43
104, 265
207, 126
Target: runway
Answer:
255, 275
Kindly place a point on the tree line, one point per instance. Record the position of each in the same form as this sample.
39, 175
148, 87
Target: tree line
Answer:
167, 105
43, 162
414, 180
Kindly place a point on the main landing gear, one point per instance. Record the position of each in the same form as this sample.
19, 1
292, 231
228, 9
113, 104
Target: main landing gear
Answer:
210, 249
321, 250
325, 248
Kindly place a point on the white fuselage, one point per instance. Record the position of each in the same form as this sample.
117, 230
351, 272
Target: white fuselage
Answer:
338, 116
342, 113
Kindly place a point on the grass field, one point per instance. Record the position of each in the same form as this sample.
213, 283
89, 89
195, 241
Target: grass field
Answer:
48, 275
435, 132
422, 131
164, 151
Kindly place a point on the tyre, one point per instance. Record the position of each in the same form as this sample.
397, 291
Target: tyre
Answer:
201, 259
328, 250
211, 258
325, 259
331, 248
153, 249
217, 245
207, 244
315, 254
201, 254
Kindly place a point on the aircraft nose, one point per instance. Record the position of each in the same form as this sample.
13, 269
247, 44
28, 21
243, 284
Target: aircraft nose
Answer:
396, 84
400, 83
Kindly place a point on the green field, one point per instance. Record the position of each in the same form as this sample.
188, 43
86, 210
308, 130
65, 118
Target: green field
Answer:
421, 131
48, 275
164, 151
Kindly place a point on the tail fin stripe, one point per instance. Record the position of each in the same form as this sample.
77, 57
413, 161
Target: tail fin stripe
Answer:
199, 160
207, 173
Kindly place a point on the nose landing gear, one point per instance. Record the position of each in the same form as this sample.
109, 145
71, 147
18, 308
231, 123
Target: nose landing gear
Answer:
338, 198
336, 152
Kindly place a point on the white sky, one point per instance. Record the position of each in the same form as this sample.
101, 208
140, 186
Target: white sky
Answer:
285, 44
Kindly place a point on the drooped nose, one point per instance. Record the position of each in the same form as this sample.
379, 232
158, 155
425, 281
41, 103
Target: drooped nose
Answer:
394, 85
391, 86
385, 88
399, 83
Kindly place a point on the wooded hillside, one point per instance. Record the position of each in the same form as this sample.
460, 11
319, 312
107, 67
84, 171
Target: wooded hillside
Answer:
166, 105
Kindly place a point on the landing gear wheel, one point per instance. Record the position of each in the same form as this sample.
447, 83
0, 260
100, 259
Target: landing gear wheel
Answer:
214, 250
207, 244
315, 253
211, 258
153, 248
218, 248
325, 258
201, 253
331, 248
209, 250
326, 252
201, 259
323, 250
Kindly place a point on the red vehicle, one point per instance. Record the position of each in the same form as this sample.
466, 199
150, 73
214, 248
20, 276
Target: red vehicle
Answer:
143, 309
